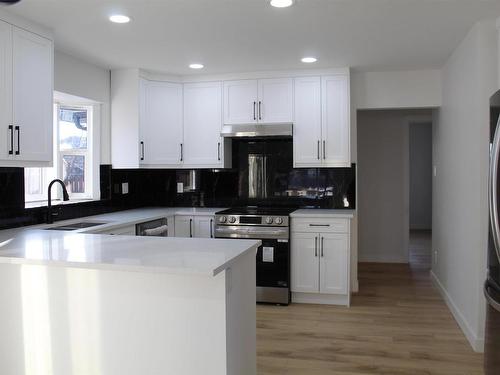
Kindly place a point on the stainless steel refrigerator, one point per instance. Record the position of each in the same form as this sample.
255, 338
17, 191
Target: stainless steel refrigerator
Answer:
492, 283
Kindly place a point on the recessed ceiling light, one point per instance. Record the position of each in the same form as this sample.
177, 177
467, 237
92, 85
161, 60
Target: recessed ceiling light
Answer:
119, 18
196, 66
281, 3
309, 60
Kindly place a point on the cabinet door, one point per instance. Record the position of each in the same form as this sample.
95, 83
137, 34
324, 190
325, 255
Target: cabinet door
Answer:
334, 263
203, 226
32, 96
275, 103
184, 226
240, 102
6, 132
307, 124
305, 262
161, 127
202, 124
336, 125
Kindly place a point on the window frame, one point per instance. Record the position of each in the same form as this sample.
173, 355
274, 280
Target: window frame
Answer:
86, 153
91, 154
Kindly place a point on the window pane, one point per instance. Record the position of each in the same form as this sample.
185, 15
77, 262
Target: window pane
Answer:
72, 128
74, 173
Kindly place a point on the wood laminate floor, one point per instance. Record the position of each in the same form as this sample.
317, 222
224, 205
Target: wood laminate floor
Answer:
397, 325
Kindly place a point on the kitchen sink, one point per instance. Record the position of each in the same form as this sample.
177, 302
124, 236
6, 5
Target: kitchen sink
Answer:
76, 226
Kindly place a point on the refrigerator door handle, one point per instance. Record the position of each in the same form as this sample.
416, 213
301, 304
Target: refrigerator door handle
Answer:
491, 301
493, 173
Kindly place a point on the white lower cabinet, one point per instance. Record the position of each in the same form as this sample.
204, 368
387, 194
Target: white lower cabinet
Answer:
320, 261
194, 226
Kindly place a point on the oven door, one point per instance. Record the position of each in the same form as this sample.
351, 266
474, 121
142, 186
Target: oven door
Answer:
273, 271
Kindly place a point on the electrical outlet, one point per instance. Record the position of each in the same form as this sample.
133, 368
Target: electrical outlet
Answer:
125, 188
180, 187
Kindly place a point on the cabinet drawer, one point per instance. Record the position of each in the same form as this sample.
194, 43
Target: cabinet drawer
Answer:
323, 225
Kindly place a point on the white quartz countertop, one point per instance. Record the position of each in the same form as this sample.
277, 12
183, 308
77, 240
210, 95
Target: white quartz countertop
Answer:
323, 213
119, 219
186, 256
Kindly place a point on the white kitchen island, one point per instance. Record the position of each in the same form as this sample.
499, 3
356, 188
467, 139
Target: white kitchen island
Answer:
81, 304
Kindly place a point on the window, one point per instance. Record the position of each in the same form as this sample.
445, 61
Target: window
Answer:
73, 156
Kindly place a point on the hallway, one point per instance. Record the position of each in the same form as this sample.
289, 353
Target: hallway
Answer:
397, 324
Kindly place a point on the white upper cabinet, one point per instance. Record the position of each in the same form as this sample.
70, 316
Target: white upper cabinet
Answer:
7, 129
307, 124
322, 122
26, 85
240, 102
203, 145
161, 127
32, 96
275, 101
336, 124
265, 101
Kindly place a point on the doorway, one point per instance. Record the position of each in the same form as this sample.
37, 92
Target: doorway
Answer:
420, 163
395, 186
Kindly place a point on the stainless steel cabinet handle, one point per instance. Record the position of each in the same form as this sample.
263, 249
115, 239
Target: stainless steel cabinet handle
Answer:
493, 175
322, 246
218, 151
182, 152
318, 150
18, 130
254, 115
315, 246
319, 225
324, 149
190, 227
211, 228
142, 150
11, 130
260, 110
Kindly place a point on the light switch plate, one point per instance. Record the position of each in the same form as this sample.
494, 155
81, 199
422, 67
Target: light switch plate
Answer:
125, 188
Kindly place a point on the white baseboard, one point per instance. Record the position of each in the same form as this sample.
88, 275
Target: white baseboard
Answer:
476, 343
321, 299
355, 286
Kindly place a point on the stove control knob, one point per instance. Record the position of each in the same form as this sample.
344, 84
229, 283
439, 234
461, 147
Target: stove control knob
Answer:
269, 220
222, 219
279, 220
232, 219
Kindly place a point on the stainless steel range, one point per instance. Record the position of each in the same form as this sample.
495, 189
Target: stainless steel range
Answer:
271, 226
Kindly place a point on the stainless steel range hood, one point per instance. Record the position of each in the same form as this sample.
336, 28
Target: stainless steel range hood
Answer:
253, 130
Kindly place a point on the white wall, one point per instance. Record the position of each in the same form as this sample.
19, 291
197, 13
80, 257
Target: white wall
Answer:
79, 78
460, 154
421, 175
396, 89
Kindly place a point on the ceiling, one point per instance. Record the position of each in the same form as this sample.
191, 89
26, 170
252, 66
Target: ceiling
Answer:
249, 35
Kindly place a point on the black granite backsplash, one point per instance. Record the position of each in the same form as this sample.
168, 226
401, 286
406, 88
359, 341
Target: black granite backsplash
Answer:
262, 174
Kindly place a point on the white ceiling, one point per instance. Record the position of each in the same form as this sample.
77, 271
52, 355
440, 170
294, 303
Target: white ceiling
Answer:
249, 35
